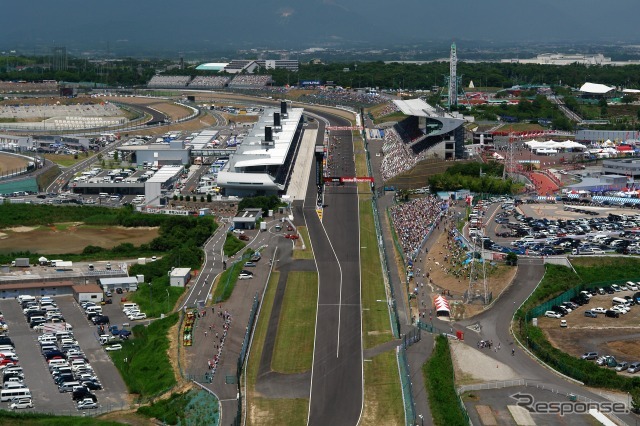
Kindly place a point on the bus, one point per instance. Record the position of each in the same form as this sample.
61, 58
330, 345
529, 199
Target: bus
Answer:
9, 394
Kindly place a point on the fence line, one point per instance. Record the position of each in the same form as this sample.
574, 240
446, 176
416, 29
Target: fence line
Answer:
382, 251
405, 382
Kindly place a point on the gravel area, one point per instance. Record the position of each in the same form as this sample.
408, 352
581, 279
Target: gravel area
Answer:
476, 366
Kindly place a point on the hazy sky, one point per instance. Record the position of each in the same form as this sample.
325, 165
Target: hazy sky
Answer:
213, 24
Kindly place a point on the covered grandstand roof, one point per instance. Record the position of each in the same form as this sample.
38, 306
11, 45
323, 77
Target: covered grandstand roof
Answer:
212, 66
419, 108
595, 88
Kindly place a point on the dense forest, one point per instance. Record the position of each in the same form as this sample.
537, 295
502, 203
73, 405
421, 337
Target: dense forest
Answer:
133, 72
477, 177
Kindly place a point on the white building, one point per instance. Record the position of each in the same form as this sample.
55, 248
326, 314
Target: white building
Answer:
88, 293
263, 163
179, 277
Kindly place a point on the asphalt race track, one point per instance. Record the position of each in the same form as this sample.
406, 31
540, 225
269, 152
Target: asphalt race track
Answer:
336, 380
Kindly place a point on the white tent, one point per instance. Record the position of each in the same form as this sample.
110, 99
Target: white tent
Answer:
595, 88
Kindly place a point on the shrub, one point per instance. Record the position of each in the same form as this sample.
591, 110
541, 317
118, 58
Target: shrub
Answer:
443, 399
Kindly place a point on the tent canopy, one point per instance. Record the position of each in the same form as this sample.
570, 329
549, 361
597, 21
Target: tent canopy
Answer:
442, 306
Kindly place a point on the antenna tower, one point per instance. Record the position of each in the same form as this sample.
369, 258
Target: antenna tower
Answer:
478, 288
453, 77
510, 161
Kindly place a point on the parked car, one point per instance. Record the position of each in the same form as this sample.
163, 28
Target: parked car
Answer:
590, 314
138, 316
552, 314
634, 367
563, 323
115, 347
622, 366
87, 404
599, 310
21, 403
612, 314
244, 237
590, 355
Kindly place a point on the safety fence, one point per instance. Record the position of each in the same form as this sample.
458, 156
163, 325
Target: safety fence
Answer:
405, 382
382, 251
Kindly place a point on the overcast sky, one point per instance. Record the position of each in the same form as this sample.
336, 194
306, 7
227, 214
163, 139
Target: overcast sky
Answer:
213, 24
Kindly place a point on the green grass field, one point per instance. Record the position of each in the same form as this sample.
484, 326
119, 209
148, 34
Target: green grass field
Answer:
10, 418
65, 160
382, 393
282, 412
147, 370
293, 350
232, 245
229, 278
260, 333
154, 300
376, 327
305, 253
268, 411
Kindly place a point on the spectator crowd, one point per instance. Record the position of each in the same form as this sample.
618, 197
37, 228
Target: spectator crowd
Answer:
412, 221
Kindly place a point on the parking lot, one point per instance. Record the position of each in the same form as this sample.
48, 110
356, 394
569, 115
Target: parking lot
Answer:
604, 335
46, 396
557, 228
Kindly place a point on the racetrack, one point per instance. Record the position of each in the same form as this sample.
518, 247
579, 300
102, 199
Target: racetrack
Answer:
11, 162
336, 381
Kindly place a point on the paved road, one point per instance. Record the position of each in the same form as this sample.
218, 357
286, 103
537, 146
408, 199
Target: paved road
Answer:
496, 324
61, 181
336, 380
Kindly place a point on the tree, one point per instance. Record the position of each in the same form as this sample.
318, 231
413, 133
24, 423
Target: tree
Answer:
512, 259
115, 155
188, 198
635, 399
208, 198
202, 198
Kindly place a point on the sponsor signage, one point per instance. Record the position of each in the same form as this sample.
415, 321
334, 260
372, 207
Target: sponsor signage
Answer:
356, 179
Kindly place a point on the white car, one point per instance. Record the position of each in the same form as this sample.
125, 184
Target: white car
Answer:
238, 231
552, 314
115, 347
21, 403
599, 310
632, 286
245, 276
86, 403
620, 309
139, 316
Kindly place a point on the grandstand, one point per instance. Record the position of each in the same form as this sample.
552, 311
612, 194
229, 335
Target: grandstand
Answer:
429, 128
250, 81
209, 82
241, 65
169, 81
24, 87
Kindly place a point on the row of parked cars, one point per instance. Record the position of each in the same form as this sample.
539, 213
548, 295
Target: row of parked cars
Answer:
93, 311
39, 312
14, 388
620, 305
610, 361
579, 236
69, 368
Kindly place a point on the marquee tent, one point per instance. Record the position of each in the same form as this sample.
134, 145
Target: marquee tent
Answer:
442, 306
